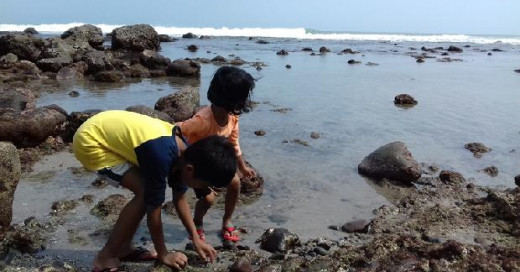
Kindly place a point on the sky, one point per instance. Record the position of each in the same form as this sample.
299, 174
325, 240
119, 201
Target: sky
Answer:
378, 16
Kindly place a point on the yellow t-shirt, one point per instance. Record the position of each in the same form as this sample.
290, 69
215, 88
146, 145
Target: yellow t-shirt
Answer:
113, 137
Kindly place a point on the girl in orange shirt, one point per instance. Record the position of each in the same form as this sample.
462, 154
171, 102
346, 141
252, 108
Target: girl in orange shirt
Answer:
230, 95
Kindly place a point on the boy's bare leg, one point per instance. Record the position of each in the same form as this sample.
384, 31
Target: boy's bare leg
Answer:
201, 208
232, 195
119, 242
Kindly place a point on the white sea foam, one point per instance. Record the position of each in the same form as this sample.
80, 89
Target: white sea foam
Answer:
296, 33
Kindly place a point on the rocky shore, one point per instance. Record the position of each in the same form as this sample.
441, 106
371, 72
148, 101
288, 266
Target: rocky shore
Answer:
438, 221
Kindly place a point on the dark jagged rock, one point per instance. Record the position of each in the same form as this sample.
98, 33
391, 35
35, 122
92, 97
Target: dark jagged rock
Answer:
109, 76
219, 59
353, 61
517, 180
260, 133
97, 61
324, 49
31, 127
74, 121
491, 171
165, 38
31, 30
450, 177
193, 48
180, 105
153, 60
278, 240
282, 53
477, 149
420, 60
26, 47
307, 49
251, 188
262, 42
85, 34
10, 173
73, 71
135, 38
405, 99
517, 70
288, 66
315, 135
455, 49
186, 68
16, 99
349, 51
189, 36
138, 70
53, 64
392, 161
150, 112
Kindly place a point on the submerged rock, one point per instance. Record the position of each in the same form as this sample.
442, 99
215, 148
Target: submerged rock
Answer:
353, 61
260, 132
491, 171
180, 105
455, 49
278, 240
109, 76
193, 48
165, 38
282, 53
392, 161
136, 38
477, 149
10, 173
110, 207
405, 99
324, 49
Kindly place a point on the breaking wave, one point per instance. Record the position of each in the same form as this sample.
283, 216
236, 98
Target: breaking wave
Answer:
295, 33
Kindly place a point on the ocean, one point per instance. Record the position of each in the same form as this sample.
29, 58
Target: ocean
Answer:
308, 188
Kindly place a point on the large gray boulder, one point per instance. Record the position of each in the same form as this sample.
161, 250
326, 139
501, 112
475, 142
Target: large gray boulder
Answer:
180, 105
80, 36
185, 68
135, 38
392, 161
16, 99
31, 127
24, 46
10, 172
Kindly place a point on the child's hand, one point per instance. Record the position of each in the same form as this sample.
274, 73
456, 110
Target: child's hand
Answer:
205, 250
175, 260
248, 172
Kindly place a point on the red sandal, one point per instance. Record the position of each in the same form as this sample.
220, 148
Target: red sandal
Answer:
227, 234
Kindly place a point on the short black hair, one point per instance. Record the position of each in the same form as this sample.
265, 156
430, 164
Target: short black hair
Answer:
214, 160
231, 89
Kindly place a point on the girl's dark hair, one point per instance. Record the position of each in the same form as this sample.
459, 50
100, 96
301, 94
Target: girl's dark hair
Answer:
214, 160
231, 89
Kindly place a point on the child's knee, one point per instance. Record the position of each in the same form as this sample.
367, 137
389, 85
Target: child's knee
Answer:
235, 183
210, 198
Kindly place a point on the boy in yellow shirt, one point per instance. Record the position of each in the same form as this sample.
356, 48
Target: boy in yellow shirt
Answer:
144, 154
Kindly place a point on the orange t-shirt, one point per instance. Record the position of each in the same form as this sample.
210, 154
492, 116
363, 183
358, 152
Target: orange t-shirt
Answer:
203, 124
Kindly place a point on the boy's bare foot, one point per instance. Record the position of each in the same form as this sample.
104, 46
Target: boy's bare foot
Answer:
102, 262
